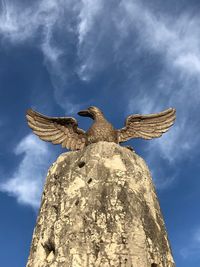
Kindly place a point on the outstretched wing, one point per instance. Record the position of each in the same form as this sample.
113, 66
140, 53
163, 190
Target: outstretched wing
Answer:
63, 130
147, 126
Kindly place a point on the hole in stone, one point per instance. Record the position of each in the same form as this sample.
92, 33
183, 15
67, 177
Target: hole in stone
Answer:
154, 265
55, 207
96, 250
81, 164
89, 181
49, 246
77, 201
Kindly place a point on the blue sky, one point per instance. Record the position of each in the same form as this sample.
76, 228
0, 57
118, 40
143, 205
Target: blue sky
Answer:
128, 56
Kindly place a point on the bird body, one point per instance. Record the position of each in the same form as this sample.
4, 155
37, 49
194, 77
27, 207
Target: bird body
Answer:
101, 130
65, 131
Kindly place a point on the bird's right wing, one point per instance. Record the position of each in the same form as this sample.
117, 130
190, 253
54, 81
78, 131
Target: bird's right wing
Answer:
58, 130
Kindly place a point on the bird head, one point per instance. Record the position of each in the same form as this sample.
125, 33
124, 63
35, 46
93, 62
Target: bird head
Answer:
91, 112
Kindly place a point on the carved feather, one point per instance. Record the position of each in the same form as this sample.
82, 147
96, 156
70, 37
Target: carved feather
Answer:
147, 126
65, 131
58, 130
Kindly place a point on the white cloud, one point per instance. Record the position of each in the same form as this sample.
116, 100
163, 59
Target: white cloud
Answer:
89, 24
37, 23
177, 42
27, 180
88, 21
197, 236
193, 246
168, 145
161, 180
19, 24
177, 39
88, 12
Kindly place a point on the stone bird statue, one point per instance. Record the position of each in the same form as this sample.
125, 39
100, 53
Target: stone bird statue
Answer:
65, 131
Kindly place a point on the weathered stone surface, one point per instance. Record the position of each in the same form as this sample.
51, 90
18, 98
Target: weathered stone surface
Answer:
99, 208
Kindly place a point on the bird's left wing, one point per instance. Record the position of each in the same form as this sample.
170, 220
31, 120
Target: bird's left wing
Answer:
58, 130
147, 126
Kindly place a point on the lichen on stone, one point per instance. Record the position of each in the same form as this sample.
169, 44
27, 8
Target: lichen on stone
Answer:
99, 208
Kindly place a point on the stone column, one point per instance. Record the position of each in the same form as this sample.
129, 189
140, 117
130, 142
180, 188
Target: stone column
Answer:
99, 209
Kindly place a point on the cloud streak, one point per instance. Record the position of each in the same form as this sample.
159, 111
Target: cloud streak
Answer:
193, 248
26, 182
83, 39
37, 25
177, 43
177, 39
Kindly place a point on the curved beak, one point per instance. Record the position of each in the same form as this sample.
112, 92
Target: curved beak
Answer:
84, 113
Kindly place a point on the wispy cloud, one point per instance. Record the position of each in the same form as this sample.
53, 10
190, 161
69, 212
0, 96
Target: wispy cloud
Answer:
177, 39
88, 12
27, 180
37, 24
81, 39
160, 178
193, 246
196, 236
20, 24
177, 42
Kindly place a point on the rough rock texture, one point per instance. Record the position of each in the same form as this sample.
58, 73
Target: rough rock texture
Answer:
99, 208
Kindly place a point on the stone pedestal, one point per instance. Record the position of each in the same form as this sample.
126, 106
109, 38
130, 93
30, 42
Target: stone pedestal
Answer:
99, 209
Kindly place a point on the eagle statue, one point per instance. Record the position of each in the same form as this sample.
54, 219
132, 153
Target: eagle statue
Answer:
65, 131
